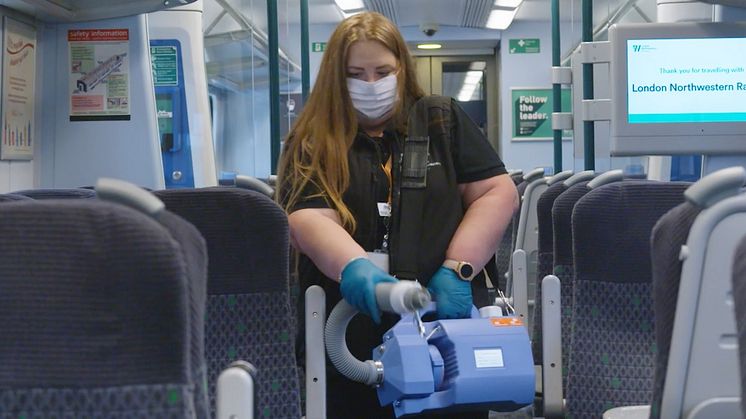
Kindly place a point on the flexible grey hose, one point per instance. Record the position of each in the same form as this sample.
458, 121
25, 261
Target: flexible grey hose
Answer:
406, 297
334, 334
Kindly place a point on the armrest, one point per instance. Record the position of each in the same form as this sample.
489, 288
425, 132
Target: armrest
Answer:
315, 356
551, 341
520, 284
236, 391
628, 412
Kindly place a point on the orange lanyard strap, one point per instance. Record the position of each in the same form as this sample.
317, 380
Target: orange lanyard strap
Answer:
387, 169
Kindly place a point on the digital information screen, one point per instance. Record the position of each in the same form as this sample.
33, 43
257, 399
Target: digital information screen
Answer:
686, 80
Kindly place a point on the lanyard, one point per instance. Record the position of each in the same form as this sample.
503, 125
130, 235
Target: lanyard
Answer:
386, 219
387, 169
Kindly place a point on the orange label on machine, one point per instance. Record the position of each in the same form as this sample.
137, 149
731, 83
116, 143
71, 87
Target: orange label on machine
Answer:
506, 321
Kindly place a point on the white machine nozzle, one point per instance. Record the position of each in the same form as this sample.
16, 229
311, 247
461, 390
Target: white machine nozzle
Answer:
402, 296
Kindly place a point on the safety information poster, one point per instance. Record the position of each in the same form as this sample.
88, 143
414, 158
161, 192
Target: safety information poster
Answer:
99, 74
19, 64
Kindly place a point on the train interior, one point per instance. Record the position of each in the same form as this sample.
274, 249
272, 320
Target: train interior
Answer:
146, 270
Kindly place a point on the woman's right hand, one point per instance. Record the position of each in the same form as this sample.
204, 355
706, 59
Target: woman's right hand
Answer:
358, 286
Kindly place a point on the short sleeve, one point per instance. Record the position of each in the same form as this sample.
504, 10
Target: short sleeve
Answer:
310, 197
473, 156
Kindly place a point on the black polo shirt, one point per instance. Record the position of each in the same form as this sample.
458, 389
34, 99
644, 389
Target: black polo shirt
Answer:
474, 159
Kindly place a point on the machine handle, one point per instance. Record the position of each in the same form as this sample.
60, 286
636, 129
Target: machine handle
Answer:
432, 306
402, 296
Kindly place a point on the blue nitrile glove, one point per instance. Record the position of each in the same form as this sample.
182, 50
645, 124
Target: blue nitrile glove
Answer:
358, 286
452, 295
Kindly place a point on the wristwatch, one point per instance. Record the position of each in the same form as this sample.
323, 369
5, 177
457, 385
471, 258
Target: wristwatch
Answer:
464, 270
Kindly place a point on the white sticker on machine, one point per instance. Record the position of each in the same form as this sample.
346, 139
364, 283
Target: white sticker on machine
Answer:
489, 358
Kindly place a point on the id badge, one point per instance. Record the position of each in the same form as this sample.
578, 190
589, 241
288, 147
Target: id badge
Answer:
380, 259
384, 209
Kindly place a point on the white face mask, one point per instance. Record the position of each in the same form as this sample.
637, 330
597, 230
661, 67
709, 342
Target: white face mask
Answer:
373, 99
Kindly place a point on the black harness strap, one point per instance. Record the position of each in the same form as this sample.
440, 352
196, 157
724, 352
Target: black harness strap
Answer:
413, 182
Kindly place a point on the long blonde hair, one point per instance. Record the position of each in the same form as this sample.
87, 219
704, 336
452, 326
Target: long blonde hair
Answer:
316, 148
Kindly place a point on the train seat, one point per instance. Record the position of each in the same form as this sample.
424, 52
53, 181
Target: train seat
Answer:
556, 333
739, 297
693, 244
611, 353
248, 308
10, 197
523, 261
546, 246
504, 250
96, 312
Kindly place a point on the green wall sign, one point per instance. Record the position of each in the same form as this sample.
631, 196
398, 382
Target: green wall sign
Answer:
524, 46
164, 62
318, 46
532, 113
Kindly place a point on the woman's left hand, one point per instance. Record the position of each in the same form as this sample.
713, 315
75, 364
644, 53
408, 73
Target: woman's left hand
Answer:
452, 295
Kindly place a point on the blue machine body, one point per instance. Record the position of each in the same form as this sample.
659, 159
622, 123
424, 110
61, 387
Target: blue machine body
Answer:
173, 118
460, 364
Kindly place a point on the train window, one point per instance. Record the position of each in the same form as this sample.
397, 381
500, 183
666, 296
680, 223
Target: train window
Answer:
237, 64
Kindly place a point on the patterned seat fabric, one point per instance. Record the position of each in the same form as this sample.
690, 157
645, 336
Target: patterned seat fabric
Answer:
95, 312
248, 306
71, 193
545, 258
613, 347
562, 264
669, 234
739, 298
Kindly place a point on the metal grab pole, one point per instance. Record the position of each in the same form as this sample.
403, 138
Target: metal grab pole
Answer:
274, 83
556, 87
304, 51
589, 147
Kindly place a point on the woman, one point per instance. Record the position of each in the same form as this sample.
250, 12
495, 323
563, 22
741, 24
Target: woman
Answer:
340, 181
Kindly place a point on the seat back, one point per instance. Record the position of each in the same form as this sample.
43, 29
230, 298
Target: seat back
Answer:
669, 235
523, 287
612, 345
739, 297
545, 257
516, 175
248, 309
95, 312
9, 197
562, 260
505, 247
69, 193
504, 253
521, 187
695, 323
254, 184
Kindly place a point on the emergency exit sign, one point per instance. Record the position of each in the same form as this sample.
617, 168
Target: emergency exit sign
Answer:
318, 46
524, 46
